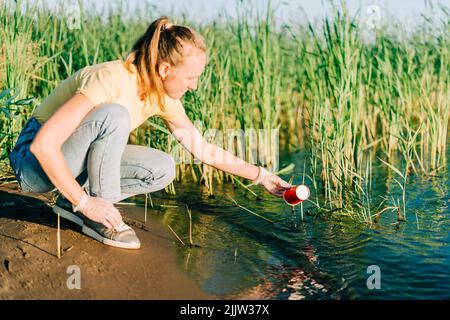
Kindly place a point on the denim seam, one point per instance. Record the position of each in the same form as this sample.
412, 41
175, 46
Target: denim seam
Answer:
133, 185
23, 182
140, 167
148, 189
101, 163
96, 122
107, 136
139, 183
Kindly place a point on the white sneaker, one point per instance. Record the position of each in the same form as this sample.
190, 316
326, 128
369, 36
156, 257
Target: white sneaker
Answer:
121, 237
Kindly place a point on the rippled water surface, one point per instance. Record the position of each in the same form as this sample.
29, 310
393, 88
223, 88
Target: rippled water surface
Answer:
320, 257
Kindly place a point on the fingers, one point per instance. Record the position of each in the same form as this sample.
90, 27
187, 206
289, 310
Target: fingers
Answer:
118, 220
114, 217
111, 221
281, 183
111, 214
278, 186
284, 184
278, 193
100, 210
275, 185
107, 224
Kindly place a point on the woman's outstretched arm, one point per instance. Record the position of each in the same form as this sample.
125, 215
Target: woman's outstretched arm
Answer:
184, 131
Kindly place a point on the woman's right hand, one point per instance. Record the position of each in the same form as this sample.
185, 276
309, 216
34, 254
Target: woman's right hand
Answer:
99, 210
274, 184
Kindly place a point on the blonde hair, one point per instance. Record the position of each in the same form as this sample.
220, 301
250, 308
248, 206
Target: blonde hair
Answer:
161, 42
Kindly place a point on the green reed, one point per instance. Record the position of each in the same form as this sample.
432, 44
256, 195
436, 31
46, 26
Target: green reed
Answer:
390, 97
352, 103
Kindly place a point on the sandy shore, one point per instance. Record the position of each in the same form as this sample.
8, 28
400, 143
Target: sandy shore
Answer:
30, 268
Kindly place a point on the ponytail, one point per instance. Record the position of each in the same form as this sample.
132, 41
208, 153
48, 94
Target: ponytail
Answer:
161, 42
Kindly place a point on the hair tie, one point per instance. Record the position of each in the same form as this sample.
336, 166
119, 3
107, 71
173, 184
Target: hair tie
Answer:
166, 26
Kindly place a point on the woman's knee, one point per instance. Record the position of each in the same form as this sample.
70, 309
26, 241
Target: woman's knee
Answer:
164, 173
146, 170
170, 168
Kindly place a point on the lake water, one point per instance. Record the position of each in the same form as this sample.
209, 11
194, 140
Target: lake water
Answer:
320, 257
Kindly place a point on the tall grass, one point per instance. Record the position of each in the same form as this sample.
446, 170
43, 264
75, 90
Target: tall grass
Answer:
319, 86
389, 97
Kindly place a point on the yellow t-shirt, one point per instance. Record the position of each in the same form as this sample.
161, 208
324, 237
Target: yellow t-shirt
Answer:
105, 83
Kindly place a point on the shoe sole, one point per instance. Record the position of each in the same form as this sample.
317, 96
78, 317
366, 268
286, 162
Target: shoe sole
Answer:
68, 215
91, 232
94, 234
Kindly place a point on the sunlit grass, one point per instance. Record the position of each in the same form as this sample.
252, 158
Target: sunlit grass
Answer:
352, 104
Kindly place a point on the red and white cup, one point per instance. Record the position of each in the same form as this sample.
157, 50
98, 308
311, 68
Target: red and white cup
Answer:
295, 195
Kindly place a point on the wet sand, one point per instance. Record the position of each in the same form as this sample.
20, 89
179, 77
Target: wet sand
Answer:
30, 268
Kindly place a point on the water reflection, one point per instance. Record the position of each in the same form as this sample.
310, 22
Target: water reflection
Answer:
243, 256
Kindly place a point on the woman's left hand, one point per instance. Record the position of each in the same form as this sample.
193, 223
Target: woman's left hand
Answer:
274, 184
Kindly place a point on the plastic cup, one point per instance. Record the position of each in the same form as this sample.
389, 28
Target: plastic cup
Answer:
295, 195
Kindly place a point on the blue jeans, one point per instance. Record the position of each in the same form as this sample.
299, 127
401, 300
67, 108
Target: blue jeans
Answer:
98, 156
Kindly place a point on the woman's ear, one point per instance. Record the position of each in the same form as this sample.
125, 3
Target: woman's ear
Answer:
164, 70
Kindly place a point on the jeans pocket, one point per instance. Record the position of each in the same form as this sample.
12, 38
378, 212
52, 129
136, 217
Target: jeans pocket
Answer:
25, 138
17, 166
26, 168
31, 176
25, 187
